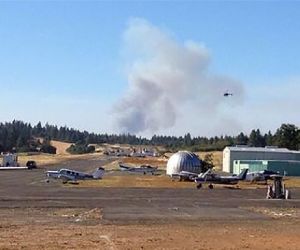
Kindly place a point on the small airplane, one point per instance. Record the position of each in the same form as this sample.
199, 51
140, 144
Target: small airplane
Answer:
263, 175
185, 176
212, 178
71, 175
188, 176
142, 169
226, 94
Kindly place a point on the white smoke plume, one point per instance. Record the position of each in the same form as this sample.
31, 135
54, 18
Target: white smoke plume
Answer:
165, 78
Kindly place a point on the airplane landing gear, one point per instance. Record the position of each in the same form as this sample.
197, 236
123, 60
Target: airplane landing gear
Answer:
210, 186
199, 186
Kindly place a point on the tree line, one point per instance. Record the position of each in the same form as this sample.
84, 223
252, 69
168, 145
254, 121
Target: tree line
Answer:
23, 137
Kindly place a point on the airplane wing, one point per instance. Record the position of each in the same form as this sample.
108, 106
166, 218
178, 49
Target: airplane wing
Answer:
148, 168
185, 176
124, 167
189, 175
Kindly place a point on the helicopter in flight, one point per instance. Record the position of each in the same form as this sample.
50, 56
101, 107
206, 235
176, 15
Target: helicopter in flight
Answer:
227, 94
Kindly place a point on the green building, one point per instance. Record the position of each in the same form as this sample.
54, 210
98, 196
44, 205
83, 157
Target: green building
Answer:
246, 153
289, 168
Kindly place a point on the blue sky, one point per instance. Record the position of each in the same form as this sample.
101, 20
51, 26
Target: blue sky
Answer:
63, 62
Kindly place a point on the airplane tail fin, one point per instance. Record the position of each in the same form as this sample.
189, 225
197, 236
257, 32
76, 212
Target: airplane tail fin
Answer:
205, 173
98, 174
243, 174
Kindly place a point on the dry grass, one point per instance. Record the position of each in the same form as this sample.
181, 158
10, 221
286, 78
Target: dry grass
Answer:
49, 159
136, 180
217, 158
292, 181
163, 181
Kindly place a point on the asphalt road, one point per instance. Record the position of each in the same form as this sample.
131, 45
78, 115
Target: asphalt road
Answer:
28, 189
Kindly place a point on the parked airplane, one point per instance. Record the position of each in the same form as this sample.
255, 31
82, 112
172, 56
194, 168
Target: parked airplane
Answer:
185, 176
212, 178
263, 175
142, 169
189, 176
71, 175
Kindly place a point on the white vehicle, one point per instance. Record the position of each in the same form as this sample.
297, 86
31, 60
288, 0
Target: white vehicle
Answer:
71, 175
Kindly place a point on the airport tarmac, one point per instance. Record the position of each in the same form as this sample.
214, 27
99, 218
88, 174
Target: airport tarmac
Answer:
28, 189
26, 199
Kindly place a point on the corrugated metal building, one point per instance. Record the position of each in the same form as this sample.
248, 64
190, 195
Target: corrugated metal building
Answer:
289, 168
231, 154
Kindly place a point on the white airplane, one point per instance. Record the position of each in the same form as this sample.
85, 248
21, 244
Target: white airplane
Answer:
212, 178
258, 176
185, 176
71, 175
189, 176
142, 169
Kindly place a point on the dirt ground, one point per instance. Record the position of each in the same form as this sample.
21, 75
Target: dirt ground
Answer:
281, 234
61, 147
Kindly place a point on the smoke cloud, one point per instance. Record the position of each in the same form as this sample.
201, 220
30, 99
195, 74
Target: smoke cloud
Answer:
166, 79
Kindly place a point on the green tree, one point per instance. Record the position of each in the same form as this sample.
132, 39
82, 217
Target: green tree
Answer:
207, 162
188, 139
46, 147
256, 139
287, 136
241, 139
269, 139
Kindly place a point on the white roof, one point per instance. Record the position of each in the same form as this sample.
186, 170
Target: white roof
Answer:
262, 149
